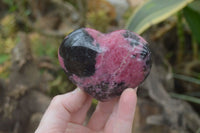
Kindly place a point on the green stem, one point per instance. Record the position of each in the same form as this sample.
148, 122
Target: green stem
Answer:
195, 48
181, 39
82, 6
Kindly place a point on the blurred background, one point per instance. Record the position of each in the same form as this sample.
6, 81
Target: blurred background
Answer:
32, 30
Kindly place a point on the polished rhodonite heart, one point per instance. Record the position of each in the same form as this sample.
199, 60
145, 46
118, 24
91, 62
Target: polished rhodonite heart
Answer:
103, 65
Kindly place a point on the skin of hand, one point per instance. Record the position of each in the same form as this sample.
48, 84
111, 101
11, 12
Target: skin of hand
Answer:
66, 114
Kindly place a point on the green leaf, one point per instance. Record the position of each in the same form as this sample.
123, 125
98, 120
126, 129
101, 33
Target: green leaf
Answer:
186, 98
187, 78
153, 12
195, 5
193, 19
3, 58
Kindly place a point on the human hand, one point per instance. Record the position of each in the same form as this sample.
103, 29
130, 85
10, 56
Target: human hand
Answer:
66, 114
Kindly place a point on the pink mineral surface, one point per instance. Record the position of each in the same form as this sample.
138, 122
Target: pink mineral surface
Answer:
103, 65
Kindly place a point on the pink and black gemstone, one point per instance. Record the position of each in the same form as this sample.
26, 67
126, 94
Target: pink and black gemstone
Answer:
103, 65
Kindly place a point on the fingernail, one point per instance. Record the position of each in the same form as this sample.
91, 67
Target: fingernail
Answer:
75, 90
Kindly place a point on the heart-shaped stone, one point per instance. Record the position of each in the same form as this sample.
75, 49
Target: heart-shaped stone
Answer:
103, 65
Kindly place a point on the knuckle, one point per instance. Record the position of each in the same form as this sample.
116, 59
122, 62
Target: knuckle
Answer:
56, 100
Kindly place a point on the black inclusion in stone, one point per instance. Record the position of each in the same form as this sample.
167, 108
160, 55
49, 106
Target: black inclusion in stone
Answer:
119, 87
133, 38
79, 53
105, 92
148, 62
144, 52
